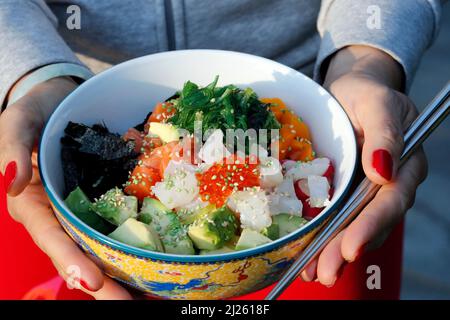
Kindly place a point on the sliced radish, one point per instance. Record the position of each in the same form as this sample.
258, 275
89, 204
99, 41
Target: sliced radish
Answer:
302, 192
301, 189
329, 173
310, 213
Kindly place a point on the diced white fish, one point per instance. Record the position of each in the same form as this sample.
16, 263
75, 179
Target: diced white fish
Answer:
179, 186
284, 200
213, 150
319, 190
281, 204
271, 174
253, 208
301, 170
288, 164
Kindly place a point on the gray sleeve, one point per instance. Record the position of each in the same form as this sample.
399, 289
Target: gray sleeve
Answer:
403, 29
28, 40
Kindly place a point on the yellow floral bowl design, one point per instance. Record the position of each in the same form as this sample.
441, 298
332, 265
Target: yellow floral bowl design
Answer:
123, 95
188, 277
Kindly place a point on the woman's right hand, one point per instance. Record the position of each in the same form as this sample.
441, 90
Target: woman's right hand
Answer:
20, 127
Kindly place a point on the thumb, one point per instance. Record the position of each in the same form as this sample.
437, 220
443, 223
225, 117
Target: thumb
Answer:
18, 129
20, 126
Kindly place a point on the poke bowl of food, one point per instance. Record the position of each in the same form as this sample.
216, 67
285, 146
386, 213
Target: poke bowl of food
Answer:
196, 174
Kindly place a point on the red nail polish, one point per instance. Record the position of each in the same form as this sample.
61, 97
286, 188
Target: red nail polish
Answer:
85, 285
382, 162
10, 174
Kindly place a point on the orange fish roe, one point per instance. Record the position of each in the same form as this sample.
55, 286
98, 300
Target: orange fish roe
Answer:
220, 180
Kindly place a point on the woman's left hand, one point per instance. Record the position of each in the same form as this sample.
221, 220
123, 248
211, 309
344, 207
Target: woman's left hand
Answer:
365, 81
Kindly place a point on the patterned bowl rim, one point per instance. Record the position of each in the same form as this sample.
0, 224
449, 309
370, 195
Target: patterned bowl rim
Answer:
238, 255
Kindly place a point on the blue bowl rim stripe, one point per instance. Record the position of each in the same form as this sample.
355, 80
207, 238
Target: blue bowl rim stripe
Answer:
151, 255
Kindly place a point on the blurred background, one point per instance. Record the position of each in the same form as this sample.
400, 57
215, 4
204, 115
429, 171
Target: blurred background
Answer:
427, 256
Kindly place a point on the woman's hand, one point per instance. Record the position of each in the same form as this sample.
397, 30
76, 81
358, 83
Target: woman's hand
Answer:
365, 81
20, 126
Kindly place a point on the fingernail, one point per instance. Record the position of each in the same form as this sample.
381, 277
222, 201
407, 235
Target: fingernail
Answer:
382, 162
10, 174
85, 285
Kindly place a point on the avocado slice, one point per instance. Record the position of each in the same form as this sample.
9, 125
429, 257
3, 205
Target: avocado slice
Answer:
168, 226
177, 241
167, 132
272, 232
288, 223
154, 209
80, 205
189, 216
212, 231
115, 207
251, 239
137, 234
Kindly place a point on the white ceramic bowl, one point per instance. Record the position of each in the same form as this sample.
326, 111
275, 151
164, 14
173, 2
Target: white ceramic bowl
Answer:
122, 96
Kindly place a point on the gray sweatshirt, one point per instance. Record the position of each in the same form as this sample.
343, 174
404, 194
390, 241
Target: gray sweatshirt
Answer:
298, 33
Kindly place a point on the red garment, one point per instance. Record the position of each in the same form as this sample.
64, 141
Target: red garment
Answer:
26, 272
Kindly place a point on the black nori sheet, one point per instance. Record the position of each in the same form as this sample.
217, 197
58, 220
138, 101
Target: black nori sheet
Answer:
95, 159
